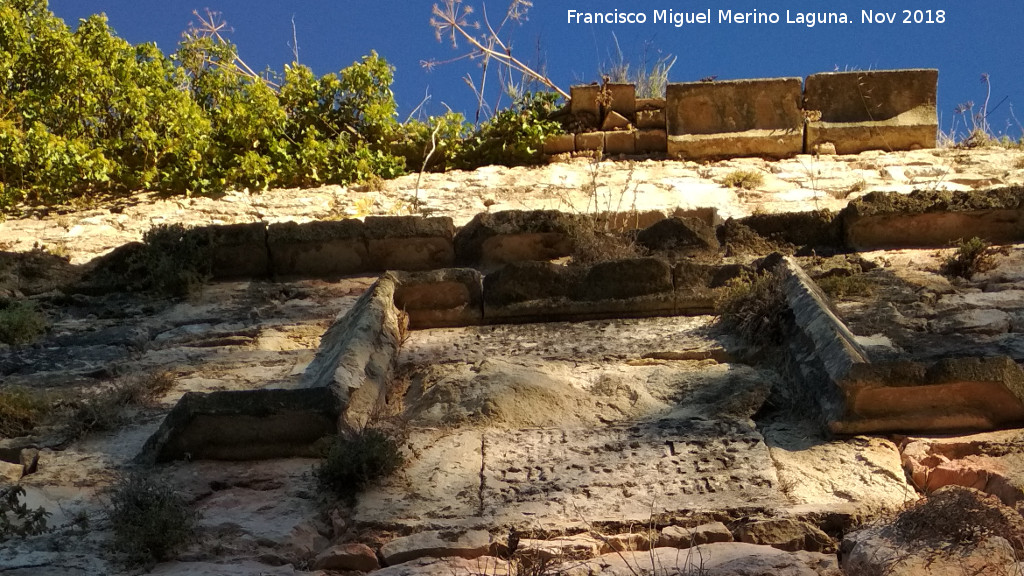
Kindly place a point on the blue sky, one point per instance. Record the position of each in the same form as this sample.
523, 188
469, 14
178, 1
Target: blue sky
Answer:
978, 36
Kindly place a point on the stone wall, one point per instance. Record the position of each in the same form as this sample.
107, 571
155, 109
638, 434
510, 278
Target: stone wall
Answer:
835, 112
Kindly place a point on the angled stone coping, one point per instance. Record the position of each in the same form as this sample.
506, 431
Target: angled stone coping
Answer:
358, 354
928, 219
872, 110
855, 396
343, 388
759, 117
821, 343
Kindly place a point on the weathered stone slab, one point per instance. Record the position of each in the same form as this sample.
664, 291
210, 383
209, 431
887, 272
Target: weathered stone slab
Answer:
317, 248
679, 537
409, 242
863, 474
627, 472
467, 544
438, 487
625, 221
812, 228
872, 110
514, 235
357, 354
954, 531
718, 559
735, 118
936, 229
650, 104
346, 557
684, 236
615, 121
786, 534
447, 297
245, 425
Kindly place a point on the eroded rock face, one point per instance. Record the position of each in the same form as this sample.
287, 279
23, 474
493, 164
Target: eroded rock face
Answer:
990, 462
953, 530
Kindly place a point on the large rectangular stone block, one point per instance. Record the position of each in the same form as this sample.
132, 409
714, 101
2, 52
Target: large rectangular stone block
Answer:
237, 250
872, 110
440, 298
759, 117
317, 248
620, 142
409, 242
560, 144
583, 101
622, 99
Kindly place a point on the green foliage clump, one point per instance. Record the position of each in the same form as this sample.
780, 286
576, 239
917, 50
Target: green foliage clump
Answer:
16, 518
21, 322
514, 136
86, 113
151, 523
354, 461
971, 257
754, 306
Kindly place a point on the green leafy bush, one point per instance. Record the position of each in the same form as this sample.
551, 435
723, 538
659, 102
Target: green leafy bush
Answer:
86, 113
151, 523
514, 136
971, 257
21, 322
354, 461
16, 518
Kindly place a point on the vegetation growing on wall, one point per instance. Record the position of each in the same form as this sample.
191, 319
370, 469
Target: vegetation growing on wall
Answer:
84, 114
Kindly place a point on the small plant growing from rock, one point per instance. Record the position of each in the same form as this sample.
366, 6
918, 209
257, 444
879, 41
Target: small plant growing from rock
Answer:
151, 522
754, 307
745, 179
971, 257
174, 260
355, 460
21, 322
21, 410
846, 286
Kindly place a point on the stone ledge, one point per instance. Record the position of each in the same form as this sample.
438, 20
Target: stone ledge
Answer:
245, 425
